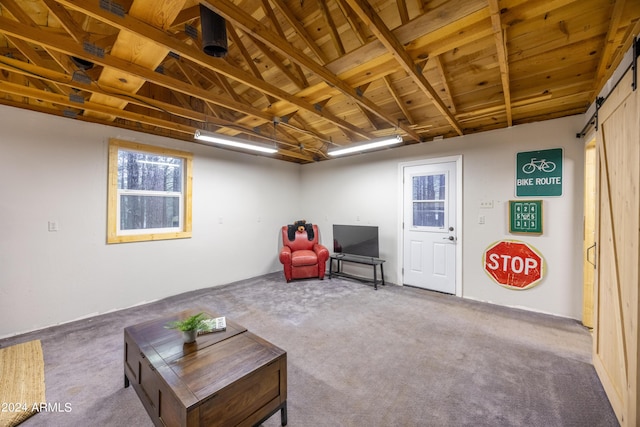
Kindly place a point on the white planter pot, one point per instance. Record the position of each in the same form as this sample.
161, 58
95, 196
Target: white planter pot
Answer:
189, 336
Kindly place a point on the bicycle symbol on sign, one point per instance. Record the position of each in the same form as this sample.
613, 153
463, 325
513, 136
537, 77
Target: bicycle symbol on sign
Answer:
541, 165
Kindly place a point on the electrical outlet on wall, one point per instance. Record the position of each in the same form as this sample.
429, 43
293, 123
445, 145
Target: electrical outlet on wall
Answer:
486, 204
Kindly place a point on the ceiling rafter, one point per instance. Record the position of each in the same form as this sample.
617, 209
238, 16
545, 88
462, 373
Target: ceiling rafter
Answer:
358, 30
27, 50
20, 67
617, 57
368, 15
499, 35
189, 74
221, 66
301, 31
456, 14
33, 81
445, 84
333, 31
560, 54
356, 26
371, 118
186, 16
244, 20
402, 11
18, 13
129, 45
33, 93
247, 57
386, 78
46, 74
67, 22
278, 62
219, 81
274, 21
398, 99
362, 88
68, 46
32, 55
614, 21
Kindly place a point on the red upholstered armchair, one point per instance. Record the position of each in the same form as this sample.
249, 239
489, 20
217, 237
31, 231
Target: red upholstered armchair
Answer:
301, 257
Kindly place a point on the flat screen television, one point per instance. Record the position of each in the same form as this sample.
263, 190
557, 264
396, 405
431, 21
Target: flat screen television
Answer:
359, 240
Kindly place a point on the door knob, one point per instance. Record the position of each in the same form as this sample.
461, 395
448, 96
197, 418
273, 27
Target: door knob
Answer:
449, 238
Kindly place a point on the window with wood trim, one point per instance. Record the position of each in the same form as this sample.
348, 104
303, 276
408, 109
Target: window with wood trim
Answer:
149, 194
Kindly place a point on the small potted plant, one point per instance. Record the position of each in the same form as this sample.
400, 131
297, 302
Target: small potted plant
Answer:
188, 326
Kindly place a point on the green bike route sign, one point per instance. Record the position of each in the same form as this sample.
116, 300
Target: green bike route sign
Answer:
539, 173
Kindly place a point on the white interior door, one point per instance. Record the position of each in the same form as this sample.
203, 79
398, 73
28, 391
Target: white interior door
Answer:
429, 206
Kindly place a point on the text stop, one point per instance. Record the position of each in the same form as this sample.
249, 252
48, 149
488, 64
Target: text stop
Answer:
515, 264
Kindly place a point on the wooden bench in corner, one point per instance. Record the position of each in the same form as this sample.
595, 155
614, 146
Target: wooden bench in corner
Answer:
228, 378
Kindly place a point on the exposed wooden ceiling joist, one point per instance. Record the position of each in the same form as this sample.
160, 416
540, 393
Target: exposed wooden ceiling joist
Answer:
249, 24
309, 75
367, 14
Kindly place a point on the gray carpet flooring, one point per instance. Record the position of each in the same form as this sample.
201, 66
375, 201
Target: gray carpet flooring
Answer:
398, 356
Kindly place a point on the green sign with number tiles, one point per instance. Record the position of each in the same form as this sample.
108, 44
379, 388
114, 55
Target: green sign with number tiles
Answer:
525, 216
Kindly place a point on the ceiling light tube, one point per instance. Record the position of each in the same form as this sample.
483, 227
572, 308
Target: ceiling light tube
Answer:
370, 145
231, 142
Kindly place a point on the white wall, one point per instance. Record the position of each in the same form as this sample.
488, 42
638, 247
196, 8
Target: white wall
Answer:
55, 169
364, 189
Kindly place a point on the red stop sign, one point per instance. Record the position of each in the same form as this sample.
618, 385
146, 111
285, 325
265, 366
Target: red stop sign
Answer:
513, 264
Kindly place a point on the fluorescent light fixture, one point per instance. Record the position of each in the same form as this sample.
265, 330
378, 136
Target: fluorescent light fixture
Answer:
231, 142
370, 145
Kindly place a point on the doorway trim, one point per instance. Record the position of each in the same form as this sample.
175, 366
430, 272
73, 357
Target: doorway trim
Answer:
459, 209
589, 229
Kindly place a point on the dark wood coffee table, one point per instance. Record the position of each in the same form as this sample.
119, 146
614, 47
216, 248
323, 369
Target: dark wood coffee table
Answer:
230, 378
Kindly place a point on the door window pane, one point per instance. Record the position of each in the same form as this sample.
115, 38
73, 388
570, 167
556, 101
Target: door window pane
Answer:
429, 198
428, 214
429, 187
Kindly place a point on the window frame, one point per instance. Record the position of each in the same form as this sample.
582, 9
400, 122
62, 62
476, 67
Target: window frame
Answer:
113, 199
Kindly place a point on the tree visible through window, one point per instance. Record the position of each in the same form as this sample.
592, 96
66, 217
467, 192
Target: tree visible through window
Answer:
149, 193
429, 197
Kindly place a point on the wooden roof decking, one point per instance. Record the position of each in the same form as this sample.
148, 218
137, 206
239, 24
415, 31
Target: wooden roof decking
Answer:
308, 75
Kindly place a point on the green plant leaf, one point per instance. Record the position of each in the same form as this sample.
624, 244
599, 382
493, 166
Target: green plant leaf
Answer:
191, 323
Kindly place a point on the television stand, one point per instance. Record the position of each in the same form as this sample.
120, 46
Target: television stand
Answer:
340, 258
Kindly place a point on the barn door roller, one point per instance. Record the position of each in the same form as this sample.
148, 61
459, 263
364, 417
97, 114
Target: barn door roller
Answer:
593, 121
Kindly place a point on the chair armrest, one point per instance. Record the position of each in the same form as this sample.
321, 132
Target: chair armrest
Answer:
321, 252
285, 255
